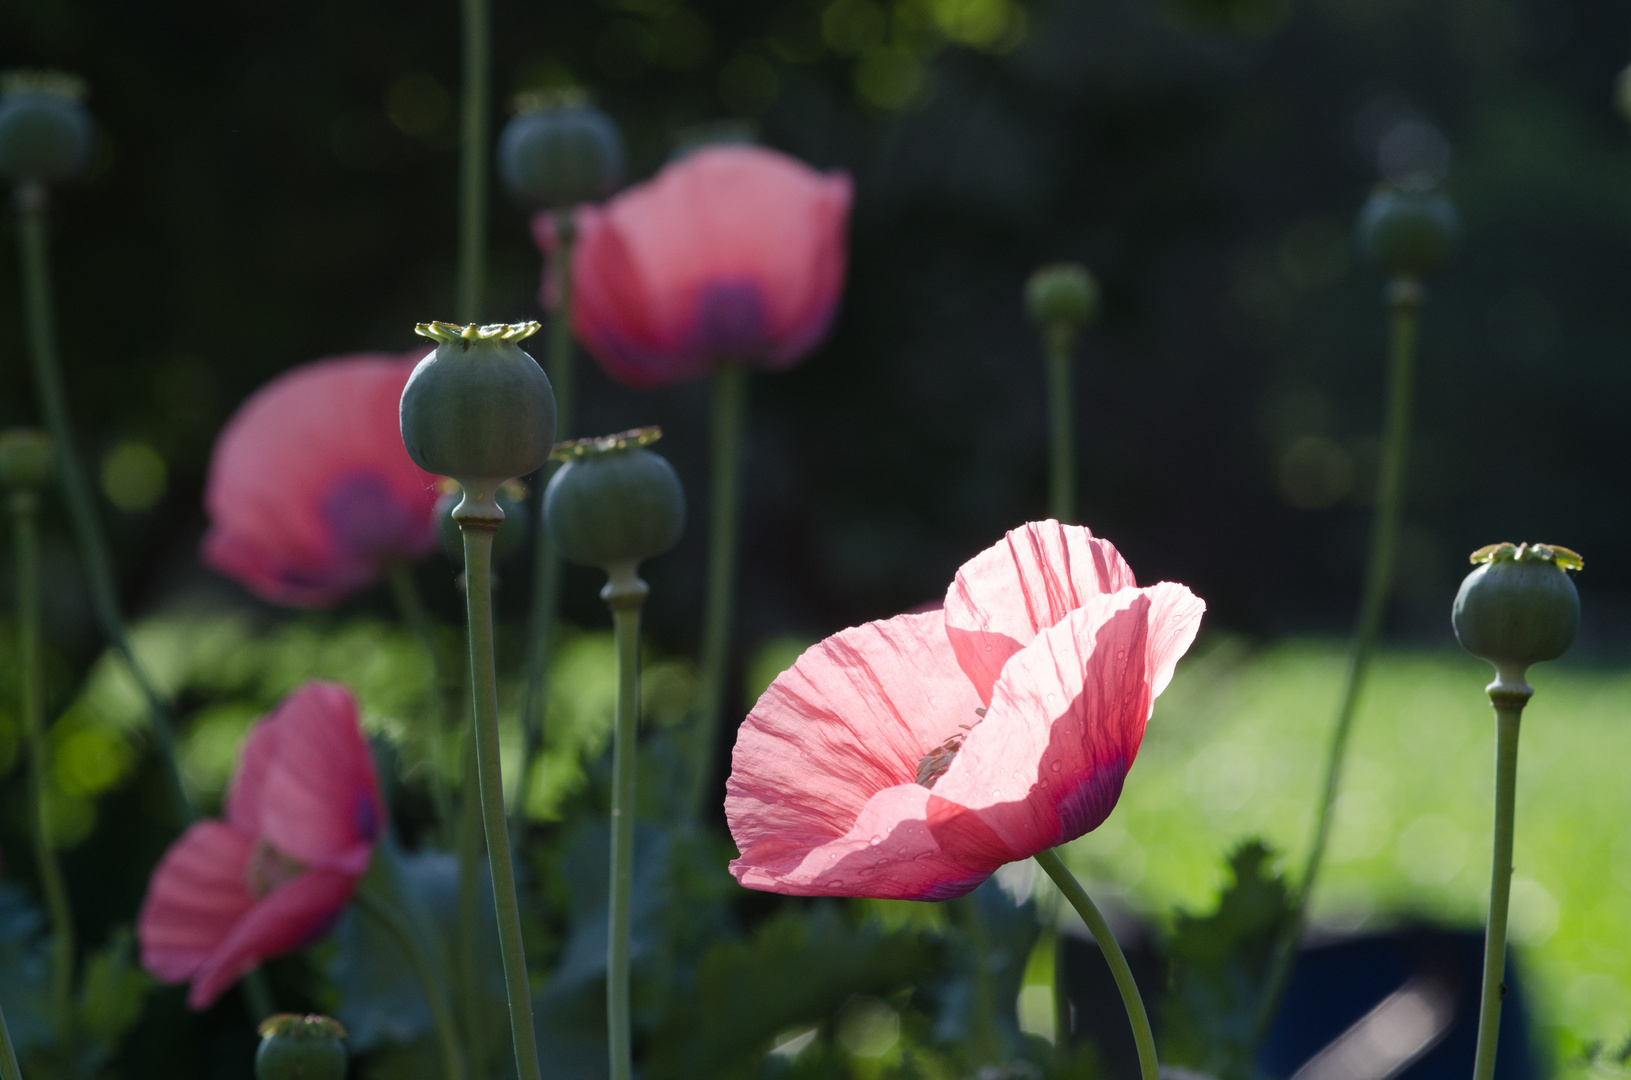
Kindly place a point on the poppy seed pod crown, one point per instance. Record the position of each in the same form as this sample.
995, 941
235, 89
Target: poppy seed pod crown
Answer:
559, 151
1062, 294
26, 459
300, 1048
45, 131
614, 501
1408, 233
1519, 607
478, 409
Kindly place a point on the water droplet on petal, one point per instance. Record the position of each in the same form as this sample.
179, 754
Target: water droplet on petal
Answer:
1056, 766
1050, 697
877, 839
988, 648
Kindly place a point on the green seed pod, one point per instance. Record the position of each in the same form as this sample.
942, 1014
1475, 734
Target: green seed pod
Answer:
1408, 233
26, 458
46, 134
512, 531
614, 502
478, 409
1062, 294
559, 151
1519, 607
300, 1048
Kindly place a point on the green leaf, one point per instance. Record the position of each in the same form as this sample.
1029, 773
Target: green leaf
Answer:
1219, 964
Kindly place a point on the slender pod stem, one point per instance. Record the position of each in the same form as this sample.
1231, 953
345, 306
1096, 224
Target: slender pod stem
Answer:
257, 991
1508, 713
546, 561
730, 406
24, 510
1136, 1014
35, 254
1061, 423
1404, 300
624, 594
471, 845
478, 572
473, 150
412, 609
9, 1069
386, 914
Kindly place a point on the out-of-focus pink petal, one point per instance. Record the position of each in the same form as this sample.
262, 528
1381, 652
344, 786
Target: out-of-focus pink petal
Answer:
194, 898
286, 918
246, 795
310, 490
906, 844
848, 720
1021, 585
1068, 714
732, 252
320, 802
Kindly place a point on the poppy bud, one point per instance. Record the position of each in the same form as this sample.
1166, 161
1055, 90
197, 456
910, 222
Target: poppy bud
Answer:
512, 531
1519, 607
559, 151
26, 459
45, 131
478, 409
1408, 233
300, 1048
1062, 294
614, 501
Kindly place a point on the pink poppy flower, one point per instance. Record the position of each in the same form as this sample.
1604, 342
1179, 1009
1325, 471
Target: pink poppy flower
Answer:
909, 758
302, 816
311, 493
730, 253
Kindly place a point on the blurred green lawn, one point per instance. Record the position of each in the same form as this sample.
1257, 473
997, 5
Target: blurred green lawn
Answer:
1236, 748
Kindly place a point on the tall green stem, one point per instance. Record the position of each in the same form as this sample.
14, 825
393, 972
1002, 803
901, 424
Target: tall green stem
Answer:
546, 561
985, 1043
412, 609
9, 1069
395, 924
24, 509
1508, 712
1404, 299
471, 846
1061, 426
624, 594
1136, 1014
730, 405
472, 266
478, 574
35, 255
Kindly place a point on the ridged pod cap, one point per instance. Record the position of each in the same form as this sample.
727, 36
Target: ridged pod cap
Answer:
512, 531
300, 1048
26, 458
559, 151
1520, 606
614, 501
1062, 294
1408, 233
478, 409
46, 133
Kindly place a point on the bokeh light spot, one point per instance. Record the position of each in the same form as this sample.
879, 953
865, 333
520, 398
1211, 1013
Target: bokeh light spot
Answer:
134, 476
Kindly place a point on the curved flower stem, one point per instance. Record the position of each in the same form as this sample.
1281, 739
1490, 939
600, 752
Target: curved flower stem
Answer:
394, 923
1057, 341
412, 609
1404, 299
34, 251
472, 265
546, 561
624, 593
1508, 713
478, 574
1136, 1015
24, 510
730, 405
9, 1069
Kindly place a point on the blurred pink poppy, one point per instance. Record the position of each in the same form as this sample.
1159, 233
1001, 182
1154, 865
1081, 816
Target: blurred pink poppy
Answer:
909, 758
311, 493
730, 253
302, 816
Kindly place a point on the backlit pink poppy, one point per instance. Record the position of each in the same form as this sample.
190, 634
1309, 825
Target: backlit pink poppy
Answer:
909, 758
310, 492
730, 253
302, 816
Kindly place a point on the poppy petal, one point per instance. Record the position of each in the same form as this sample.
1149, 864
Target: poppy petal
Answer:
194, 898
321, 802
